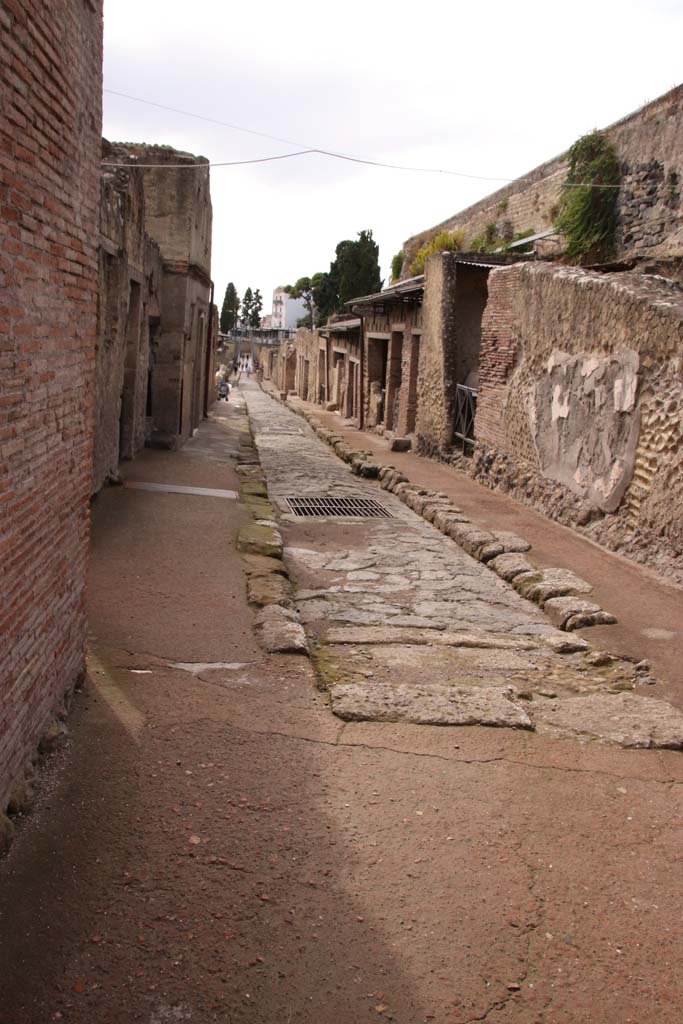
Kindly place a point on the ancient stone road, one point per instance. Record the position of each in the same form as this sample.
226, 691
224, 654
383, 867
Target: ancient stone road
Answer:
216, 846
408, 627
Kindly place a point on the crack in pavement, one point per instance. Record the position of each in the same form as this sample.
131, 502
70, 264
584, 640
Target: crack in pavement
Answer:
498, 759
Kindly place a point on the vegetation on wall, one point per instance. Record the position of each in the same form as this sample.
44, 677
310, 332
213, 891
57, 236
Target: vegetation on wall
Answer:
396, 265
445, 241
588, 214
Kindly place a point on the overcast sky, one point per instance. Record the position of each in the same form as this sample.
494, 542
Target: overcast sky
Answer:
489, 89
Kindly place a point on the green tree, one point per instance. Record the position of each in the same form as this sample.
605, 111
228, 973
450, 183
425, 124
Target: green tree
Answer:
247, 306
256, 307
325, 296
357, 268
303, 289
396, 265
230, 309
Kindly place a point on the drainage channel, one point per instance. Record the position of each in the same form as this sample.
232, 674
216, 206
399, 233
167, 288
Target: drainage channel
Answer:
312, 506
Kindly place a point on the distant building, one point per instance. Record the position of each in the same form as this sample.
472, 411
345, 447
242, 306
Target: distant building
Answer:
286, 310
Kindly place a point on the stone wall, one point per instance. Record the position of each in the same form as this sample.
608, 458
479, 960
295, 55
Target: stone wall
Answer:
649, 143
581, 401
50, 124
178, 218
128, 319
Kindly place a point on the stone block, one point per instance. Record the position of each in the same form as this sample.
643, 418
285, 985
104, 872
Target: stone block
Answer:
511, 542
399, 444
545, 584
269, 588
570, 613
260, 564
369, 470
507, 566
254, 488
53, 737
7, 831
428, 704
279, 631
256, 539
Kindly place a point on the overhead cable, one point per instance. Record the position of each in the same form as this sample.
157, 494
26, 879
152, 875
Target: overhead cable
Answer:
305, 151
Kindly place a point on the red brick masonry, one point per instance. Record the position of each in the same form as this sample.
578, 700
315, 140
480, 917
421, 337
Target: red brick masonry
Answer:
50, 127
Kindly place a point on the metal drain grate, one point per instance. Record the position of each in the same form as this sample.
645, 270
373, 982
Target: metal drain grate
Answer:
366, 508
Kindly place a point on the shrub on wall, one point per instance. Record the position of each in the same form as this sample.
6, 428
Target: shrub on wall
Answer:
445, 241
588, 205
396, 265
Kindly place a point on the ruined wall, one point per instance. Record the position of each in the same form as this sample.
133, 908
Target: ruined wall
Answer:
581, 401
434, 425
307, 345
50, 123
178, 218
128, 317
393, 405
649, 143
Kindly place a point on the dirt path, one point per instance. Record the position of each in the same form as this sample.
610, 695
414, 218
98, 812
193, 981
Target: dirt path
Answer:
214, 845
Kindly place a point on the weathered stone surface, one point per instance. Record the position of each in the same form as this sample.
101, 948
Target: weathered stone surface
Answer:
255, 539
507, 566
432, 508
399, 444
261, 564
269, 588
490, 551
431, 704
584, 619
7, 831
258, 508
408, 635
369, 470
53, 737
511, 542
563, 644
544, 584
622, 718
254, 487
445, 516
279, 632
574, 613
21, 798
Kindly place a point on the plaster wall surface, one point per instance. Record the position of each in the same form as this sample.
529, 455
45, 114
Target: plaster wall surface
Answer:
50, 124
581, 400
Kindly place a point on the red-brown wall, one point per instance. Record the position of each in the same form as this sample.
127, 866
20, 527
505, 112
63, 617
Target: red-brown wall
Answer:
50, 128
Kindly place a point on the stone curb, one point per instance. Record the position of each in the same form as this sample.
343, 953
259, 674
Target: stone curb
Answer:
500, 550
269, 590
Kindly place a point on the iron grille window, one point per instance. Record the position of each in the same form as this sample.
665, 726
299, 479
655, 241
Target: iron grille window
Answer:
465, 411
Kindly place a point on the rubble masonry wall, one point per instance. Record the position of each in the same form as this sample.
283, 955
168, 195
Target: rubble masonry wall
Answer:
649, 143
580, 406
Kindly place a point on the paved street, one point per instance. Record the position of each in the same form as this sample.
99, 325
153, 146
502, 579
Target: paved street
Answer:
215, 844
407, 626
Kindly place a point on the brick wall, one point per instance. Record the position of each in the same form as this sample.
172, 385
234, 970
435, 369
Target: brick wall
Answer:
50, 125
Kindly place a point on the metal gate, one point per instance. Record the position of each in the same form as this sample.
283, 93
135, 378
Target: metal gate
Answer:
465, 411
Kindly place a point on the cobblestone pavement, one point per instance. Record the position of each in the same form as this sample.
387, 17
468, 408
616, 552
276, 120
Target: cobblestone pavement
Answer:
405, 626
